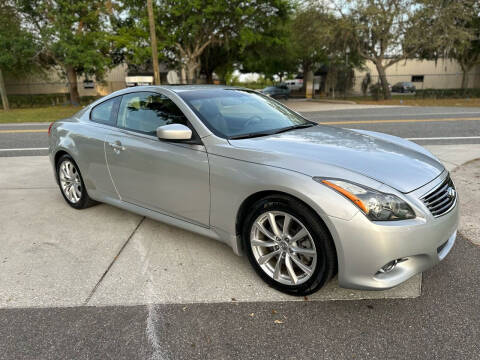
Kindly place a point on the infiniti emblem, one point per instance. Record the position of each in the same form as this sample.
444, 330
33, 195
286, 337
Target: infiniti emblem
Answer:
451, 192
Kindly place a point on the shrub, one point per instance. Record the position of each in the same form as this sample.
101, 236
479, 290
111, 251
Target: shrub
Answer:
376, 91
447, 93
42, 100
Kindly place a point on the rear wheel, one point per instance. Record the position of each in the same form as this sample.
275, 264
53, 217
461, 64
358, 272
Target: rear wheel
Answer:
71, 183
288, 246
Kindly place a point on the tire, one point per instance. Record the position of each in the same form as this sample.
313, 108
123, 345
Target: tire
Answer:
68, 173
315, 250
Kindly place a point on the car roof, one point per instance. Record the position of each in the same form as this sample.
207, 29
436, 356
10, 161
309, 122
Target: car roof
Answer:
183, 88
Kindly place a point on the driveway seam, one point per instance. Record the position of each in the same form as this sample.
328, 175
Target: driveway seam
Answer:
112, 262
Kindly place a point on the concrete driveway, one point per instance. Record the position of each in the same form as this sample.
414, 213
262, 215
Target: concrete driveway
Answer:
53, 255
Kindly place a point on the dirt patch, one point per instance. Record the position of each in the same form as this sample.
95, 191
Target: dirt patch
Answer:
467, 182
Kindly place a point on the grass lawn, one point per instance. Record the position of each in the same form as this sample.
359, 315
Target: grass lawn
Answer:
411, 101
46, 114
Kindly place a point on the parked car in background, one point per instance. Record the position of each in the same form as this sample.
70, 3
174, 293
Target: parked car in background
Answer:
301, 200
294, 84
277, 92
403, 87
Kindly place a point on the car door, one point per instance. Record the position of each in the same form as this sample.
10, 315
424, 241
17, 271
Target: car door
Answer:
169, 177
90, 143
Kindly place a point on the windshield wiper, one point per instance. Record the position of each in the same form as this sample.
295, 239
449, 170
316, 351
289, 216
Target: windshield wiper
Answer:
265, 133
250, 135
288, 128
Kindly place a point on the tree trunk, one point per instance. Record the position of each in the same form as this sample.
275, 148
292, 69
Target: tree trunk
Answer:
3, 93
209, 76
72, 85
383, 79
306, 69
465, 70
183, 75
191, 66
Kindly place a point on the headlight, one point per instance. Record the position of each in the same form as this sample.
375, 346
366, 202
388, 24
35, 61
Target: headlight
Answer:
375, 205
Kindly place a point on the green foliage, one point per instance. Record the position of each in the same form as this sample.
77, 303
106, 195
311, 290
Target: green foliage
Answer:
72, 33
447, 93
41, 100
376, 91
456, 33
18, 48
385, 31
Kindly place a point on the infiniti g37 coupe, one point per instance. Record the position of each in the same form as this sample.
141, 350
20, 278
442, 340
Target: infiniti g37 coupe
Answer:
303, 201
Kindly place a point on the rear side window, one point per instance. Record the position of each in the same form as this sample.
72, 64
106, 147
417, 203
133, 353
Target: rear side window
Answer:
144, 112
105, 112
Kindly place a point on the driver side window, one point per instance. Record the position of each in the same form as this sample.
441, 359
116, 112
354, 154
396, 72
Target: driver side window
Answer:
145, 112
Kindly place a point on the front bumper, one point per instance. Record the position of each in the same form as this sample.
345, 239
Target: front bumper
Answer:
363, 247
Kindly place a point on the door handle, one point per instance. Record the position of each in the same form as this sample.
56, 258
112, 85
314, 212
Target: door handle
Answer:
117, 147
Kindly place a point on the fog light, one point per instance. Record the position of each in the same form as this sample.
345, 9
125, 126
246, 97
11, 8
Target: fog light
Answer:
388, 266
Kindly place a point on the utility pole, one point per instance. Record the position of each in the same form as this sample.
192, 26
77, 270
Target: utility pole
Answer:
153, 41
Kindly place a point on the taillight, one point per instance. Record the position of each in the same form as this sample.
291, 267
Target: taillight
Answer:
50, 128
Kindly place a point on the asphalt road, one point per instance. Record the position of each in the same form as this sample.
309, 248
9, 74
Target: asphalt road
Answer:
425, 125
441, 324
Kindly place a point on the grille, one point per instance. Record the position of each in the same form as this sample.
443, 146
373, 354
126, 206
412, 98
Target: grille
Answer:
442, 199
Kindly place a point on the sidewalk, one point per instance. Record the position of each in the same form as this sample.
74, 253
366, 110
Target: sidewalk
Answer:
305, 106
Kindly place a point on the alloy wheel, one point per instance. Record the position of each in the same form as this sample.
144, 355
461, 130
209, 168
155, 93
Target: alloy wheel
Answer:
70, 181
283, 247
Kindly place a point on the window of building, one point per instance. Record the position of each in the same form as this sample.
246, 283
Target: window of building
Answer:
417, 78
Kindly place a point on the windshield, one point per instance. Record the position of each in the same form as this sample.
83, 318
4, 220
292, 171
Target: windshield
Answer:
232, 113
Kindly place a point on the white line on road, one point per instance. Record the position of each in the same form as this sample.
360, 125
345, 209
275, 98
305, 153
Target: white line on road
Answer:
446, 138
24, 149
404, 114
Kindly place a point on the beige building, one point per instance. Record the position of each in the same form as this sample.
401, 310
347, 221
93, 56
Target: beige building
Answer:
53, 82
425, 74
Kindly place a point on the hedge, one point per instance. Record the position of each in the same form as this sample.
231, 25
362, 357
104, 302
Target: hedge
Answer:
42, 100
447, 93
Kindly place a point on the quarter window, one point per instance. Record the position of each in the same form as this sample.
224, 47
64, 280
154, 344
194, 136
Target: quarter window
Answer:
145, 112
104, 112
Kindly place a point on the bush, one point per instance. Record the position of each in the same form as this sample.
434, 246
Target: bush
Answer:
42, 100
447, 93
376, 91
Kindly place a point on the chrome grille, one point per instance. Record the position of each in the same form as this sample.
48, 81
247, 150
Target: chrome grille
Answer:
442, 199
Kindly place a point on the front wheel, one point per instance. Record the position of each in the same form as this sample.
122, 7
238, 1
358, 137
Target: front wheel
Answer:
288, 246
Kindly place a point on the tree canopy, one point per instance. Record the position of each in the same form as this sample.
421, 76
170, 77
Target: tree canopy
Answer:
19, 48
73, 34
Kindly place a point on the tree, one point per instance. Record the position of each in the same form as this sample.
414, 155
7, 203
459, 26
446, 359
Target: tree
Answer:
270, 52
73, 34
455, 33
190, 26
386, 31
321, 39
18, 48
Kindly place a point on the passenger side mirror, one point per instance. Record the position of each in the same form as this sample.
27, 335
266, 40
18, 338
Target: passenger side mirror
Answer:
174, 132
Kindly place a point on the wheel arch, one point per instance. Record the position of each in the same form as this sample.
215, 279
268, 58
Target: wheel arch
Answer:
251, 199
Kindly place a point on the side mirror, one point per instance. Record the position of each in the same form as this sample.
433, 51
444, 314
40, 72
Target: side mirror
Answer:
174, 132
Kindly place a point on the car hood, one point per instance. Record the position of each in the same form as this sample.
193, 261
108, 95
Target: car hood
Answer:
391, 162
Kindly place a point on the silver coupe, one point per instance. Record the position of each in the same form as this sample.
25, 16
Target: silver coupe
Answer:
303, 201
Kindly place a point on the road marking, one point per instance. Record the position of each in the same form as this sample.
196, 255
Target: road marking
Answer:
397, 121
9, 131
445, 138
24, 149
378, 115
